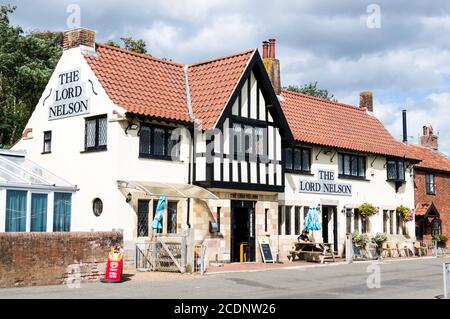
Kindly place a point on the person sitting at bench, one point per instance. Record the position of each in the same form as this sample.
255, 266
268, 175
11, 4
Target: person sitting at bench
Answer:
304, 236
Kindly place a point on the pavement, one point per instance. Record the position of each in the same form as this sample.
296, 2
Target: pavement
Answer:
392, 279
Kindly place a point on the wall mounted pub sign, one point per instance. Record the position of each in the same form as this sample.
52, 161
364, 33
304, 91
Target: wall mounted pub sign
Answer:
69, 97
325, 185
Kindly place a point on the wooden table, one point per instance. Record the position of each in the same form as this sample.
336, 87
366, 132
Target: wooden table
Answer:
323, 250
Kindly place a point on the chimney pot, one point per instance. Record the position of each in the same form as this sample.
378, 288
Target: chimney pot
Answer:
366, 100
428, 139
80, 36
265, 49
272, 48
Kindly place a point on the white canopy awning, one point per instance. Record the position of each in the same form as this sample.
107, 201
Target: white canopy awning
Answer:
168, 189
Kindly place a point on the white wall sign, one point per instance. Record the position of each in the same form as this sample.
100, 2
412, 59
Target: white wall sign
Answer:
69, 97
325, 185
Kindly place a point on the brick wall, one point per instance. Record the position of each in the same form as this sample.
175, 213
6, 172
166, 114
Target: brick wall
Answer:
441, 199
28, 259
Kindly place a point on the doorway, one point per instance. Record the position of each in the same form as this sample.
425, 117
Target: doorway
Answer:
329, 214
242, 230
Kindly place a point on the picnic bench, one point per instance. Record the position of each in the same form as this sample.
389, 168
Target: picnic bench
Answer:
310, 249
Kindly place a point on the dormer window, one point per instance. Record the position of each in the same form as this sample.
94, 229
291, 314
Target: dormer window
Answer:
395, 168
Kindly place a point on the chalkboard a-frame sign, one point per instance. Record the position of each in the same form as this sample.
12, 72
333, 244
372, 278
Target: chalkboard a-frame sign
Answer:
266, 252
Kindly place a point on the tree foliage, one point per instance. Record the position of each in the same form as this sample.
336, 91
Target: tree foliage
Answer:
130, 44
311, 89
27, 62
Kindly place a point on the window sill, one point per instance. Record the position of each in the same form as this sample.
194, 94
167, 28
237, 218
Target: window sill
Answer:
43, 153
357, 178
396, 180
157, 157
293, 171
94, 150
433, 194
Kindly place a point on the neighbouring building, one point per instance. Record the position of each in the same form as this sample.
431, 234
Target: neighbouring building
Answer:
31, 197
237, 156
431, 187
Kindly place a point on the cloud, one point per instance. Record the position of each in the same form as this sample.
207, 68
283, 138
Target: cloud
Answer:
406, 62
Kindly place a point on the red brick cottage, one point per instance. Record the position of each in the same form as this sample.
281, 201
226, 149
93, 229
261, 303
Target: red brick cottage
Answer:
431, 187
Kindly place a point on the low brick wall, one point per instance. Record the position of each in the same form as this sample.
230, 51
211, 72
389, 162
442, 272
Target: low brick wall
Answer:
28, 259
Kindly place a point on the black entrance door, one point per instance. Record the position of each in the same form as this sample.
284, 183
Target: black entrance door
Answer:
242, 229
330, 213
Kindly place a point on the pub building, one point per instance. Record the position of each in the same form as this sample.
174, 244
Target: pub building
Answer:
237, 156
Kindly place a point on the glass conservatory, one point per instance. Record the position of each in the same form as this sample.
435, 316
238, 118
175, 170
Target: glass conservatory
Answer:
32, 199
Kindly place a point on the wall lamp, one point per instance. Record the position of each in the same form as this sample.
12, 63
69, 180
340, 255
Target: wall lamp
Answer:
131, 126
128, 198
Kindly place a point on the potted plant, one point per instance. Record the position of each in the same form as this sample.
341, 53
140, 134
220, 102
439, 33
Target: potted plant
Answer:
405, 213
367, 210
379, 240
360, 240
441, 240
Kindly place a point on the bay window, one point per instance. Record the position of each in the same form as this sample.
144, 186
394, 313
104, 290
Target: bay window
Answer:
395, 169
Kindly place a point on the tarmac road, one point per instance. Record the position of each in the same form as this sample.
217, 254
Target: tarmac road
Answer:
419, 278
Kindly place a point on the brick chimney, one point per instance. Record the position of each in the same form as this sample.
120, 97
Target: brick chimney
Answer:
80, 36
272, 65
428, 139
366, 100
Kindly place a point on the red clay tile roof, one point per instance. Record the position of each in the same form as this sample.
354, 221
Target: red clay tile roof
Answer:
322, 122
211, 84
431, 159
422, 208
141, 84
149, 86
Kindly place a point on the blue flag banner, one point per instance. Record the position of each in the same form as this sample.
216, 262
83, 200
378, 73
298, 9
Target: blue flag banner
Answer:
156, 224
312, 221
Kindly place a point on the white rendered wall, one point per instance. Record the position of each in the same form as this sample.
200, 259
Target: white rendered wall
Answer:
96, 173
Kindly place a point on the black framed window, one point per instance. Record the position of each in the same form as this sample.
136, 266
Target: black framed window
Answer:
96, 133
395, 168
248, 139
297, 220
287, 220
352, 165
47, 148
156, 141
172, 217
266, 213
391, 222
280, 221
398, 223
297, 159
218, 219
356, 220
142, 212
430, 184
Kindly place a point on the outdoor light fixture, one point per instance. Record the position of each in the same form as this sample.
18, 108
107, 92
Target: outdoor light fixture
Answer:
131, 126
128, 198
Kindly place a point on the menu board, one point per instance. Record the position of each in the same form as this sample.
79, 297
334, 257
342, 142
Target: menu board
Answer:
266, 252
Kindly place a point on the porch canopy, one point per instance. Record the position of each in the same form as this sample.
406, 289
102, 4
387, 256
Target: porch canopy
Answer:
17, 171
169, 189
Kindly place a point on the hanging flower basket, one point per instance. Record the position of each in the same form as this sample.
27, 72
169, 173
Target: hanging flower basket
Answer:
405, 213
367, 210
